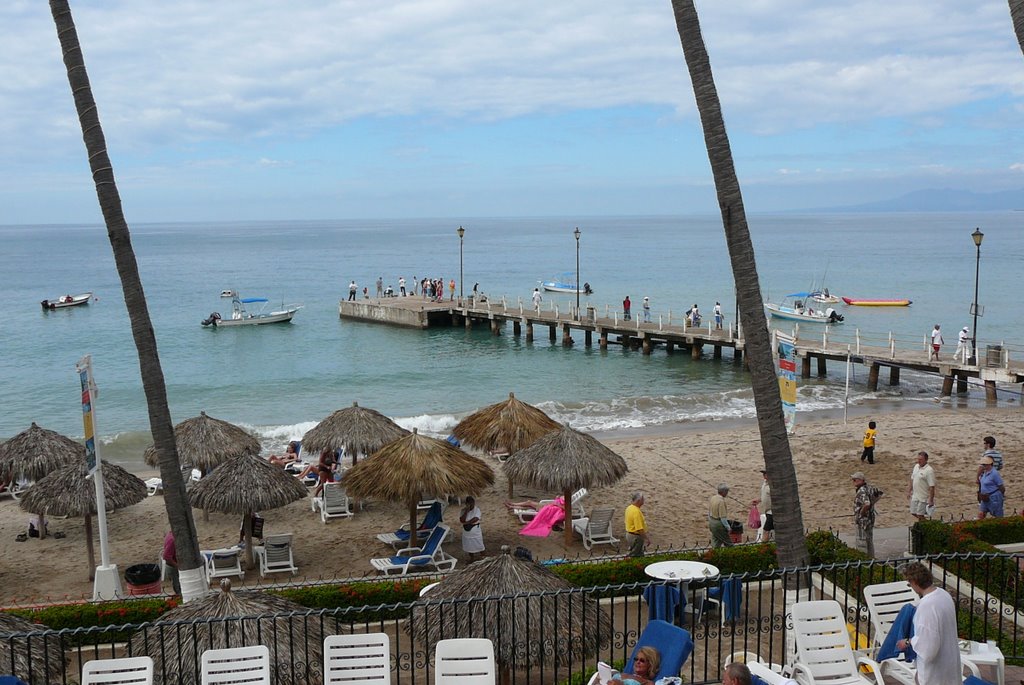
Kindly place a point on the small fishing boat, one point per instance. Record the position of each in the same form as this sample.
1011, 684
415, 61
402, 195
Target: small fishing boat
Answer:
797, 311
242, 315
565, 283
229, 293
66, 301
865, 302
823, 297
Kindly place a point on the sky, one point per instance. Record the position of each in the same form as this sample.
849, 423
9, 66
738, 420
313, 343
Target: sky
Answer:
347, 109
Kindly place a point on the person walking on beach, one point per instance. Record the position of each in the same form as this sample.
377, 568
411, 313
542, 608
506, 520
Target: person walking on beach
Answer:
647, 309
472, 535
170, 557
718, 517
401, 285
991, 490
870, 435
936, 343
352, 288
718, 316
626, 306
922, 488
764, 533
536, 299
864, 512
637, 535
991, 451
963, 345
935, 641
380, 287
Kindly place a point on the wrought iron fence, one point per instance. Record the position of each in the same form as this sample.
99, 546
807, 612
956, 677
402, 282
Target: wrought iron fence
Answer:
540, 637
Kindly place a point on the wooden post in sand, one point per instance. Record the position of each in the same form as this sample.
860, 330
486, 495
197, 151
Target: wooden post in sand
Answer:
990, 391
947, 385
822, 366
894, 375
805, 367
873, 377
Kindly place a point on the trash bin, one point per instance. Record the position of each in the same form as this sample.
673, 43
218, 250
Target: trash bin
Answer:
994, 355
143, 579
591, 313
735, 531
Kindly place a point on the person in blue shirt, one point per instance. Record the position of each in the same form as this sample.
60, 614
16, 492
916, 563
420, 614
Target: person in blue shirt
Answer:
990, 489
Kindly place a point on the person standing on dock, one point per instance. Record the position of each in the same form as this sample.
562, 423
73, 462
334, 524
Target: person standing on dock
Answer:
718, 316
380, 287
647, 309
451, 290
936, 343
626, 305
412, 291
536, 299
401, 285
963, 345
352, 288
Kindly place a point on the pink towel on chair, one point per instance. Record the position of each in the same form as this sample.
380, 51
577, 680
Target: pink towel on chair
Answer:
547, 518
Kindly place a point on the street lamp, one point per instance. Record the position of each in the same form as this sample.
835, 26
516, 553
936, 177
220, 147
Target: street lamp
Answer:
977, 236
577, 234
461, 233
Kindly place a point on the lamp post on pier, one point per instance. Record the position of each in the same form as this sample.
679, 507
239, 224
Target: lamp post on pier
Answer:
461, 233
977, 236
577, 234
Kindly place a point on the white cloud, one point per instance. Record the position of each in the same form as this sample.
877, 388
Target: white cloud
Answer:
1017, 167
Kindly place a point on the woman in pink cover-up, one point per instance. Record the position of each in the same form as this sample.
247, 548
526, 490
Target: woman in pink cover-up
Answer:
547, 518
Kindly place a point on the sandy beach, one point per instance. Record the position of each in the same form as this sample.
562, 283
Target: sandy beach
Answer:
677, 471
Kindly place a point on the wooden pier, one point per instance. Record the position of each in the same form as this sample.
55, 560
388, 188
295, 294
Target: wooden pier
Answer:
636, 333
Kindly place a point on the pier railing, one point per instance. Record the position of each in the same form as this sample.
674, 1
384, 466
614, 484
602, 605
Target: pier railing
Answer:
760, 624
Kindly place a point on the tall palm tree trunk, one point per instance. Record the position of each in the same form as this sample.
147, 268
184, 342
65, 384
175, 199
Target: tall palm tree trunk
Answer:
1017, 14
179, 513
778, 458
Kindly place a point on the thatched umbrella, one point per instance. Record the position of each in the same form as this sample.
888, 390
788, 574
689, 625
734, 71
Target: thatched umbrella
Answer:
47, 656
356, 429
71, 492
204, 442
35, 452
525, 629
293, 634
511, 425
245, 484
417, 467
564, 461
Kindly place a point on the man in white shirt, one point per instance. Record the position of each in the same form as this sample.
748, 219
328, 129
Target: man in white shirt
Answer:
922, 488
718, 315
963, 345
536, 298
935, 639
401, 285
937, 342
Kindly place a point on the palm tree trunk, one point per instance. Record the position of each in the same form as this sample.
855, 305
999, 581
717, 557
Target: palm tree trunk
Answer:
179, 513
778, 458
1017, 14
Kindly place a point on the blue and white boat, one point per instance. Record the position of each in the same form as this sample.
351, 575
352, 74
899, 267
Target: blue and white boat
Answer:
798, 311
243, 315
566, 283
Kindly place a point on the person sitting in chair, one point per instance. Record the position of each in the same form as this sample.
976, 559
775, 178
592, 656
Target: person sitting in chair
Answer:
289, 456
645, 668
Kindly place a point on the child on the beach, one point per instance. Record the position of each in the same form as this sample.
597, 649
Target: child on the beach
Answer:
868, 454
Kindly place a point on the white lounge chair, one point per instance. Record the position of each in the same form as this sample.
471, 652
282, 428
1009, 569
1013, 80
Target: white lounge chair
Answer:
237, 665
333, 503
597, 528
136, 670
154, 486
765, 673
401, 538
275, 555
358, 659
417, 559
464, 661
525, 515
824, 654
221, 563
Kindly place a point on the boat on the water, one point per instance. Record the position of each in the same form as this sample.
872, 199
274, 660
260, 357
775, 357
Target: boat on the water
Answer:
798, 311
229, 293
565, 284
823, 297
242, 315
66, 301
865, 302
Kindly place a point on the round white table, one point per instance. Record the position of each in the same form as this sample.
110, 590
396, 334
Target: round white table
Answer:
681, 570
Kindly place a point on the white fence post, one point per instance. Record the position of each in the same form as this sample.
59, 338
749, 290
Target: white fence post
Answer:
857, 331
660, 323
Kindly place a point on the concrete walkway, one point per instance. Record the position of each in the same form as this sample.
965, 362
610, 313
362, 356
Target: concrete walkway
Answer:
890, 543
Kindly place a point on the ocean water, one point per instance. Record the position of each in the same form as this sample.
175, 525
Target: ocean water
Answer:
280, 380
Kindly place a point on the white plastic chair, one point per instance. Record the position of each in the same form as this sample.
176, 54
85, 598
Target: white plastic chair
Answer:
275, 556
136, 670
824, 655
333, 502
464, 661
236, 666
413, 559
357, 659
597, 528
224, 562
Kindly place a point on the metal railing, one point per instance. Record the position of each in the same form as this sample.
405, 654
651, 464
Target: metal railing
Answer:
526, 628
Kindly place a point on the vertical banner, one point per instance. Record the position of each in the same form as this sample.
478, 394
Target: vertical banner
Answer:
88, 390
786, 348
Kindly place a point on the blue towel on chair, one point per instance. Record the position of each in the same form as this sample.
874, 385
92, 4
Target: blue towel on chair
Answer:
902, 629
662, 602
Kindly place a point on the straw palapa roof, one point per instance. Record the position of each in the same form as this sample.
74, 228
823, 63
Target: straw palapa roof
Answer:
356, 429
47, 665
203, 442
295, 640
509, 425
70, 492
566, 460
245, 484
35, 452
563, 627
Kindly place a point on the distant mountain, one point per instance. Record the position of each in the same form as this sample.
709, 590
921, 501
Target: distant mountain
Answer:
942, 200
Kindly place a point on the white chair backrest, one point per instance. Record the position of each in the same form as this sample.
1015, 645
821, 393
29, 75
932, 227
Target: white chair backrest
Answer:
236, 666
601, 519
578, 495
357, 659
136, 670
225, 559
884, 602
335, 497
822, 641
437, 536
762, 671
464, 661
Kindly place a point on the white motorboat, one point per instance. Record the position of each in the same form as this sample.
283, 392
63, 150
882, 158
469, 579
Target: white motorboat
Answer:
563, 284
229, 293
66, 301
242, 315
823, 297
798, 311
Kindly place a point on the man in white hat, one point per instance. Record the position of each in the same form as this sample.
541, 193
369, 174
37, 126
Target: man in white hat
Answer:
990, 490
963, 345
647, 310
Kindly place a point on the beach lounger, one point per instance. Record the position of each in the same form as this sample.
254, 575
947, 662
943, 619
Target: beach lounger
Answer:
597, 528
136, 670
673, 643
430, 556
525, 515
248, 665
154, 486
357, 659
333, 502
401, 537
224, 562
275, 555
824, 654
464, 661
